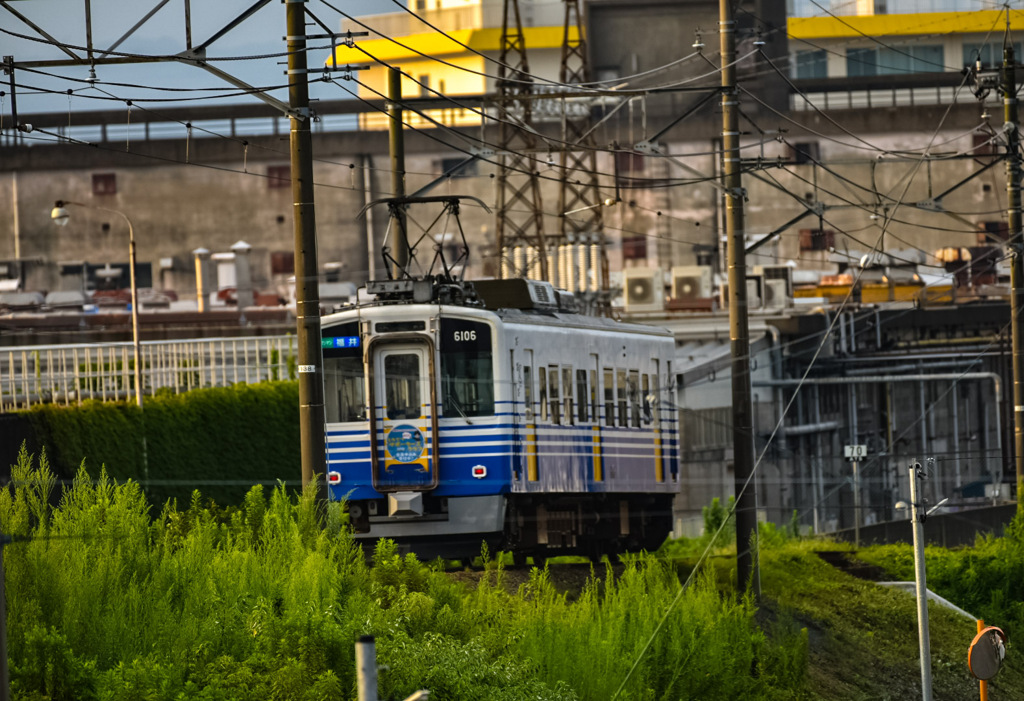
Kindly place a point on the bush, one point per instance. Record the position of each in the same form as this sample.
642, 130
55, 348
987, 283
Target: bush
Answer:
108, 599
220, 440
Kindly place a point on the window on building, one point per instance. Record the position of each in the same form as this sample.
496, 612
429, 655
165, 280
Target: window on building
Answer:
424, 85
806, 152
282, 262
629, 162
817, 239
899, 60
861, 62
811, 64
279, 176
993, 232
469, 169
990, 54
634, 248
983, 145
104, 183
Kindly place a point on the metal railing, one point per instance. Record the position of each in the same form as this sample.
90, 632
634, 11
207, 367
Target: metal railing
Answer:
71, 373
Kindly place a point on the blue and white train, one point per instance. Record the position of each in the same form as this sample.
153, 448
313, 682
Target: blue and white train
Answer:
508, 418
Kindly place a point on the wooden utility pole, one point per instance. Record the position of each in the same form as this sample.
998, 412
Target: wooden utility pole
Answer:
307, 288
739, 333
1013, 220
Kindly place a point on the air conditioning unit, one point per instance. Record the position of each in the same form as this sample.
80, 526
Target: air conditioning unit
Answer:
776, 296
776, 272
643, 290
690, 282
755, 291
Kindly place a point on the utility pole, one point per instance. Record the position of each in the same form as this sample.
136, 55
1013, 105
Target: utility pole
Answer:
1013, 220
396, 146
307, 289
917, 516
739, 333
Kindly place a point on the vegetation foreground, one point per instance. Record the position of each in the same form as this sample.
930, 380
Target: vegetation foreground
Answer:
107, 600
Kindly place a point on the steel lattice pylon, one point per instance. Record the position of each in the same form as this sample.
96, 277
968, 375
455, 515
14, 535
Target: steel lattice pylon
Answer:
582, 235
520, 217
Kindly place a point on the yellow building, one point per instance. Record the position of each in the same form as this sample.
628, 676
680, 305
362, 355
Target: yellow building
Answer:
866, 38
450, 48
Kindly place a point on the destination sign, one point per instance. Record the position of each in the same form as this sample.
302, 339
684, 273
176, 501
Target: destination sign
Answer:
341, 342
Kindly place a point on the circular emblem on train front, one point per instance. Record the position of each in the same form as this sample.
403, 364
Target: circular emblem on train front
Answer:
405, 443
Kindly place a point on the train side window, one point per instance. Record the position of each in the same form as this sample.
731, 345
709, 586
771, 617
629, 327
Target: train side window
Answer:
595, 415
542, 377
623, 397
528, 391
609, 397
567, 396
556, 417
345, 398
634, 397
646, 400
581, 395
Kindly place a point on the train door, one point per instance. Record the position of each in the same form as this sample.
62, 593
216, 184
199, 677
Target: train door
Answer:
404, 413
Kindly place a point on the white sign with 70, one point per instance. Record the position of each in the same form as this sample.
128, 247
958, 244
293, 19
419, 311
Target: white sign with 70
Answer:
855, 452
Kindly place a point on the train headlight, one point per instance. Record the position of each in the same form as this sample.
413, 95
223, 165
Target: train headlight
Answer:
479, 471
333, 478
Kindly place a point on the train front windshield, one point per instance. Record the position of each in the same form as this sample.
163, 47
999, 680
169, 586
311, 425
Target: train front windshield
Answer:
467, 369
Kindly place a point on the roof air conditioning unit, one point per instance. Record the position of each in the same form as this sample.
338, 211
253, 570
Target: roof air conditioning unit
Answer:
775, 294
690, 282
755, 293
643, 290
777, 272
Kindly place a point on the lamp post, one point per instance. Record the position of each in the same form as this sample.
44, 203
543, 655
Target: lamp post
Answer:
60, 217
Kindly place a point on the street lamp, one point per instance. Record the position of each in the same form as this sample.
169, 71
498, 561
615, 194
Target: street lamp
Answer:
60, 217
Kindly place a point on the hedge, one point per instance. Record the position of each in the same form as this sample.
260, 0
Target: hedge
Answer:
220, 441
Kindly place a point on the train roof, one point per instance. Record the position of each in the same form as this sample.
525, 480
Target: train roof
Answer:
513, 301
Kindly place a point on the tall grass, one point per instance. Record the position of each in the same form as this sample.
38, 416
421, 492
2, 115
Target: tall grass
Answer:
108, 599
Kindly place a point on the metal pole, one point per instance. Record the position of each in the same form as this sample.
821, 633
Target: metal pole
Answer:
982, 684
739, 333
135, 314
307, 290
917, 515
856, 505
1013, 219
366, 669
396, 146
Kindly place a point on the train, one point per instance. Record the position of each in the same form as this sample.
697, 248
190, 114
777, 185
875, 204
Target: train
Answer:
464, 413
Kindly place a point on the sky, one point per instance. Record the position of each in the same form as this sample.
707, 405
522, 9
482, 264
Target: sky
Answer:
164, 33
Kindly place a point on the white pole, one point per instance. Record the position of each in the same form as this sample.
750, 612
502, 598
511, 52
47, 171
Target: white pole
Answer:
366, 668
917, 515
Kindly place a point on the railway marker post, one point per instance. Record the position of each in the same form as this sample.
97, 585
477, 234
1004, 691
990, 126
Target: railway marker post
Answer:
853, 453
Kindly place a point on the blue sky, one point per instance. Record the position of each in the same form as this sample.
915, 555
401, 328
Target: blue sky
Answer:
163, 34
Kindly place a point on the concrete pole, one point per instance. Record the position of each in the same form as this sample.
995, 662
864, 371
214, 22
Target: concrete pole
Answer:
243, 275
1013, 219
202, 255
917, 515
366, 668
307, 288
396, 146
739, 332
